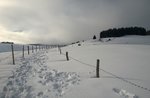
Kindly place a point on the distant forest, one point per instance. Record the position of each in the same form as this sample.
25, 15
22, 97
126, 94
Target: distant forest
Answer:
124, 31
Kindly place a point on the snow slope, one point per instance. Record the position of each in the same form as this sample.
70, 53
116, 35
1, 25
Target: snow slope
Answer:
131, 62
134, 39
47, 74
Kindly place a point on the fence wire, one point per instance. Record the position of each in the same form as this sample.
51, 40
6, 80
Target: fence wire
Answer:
115, 76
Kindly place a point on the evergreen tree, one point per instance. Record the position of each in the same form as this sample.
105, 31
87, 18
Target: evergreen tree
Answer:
94, 37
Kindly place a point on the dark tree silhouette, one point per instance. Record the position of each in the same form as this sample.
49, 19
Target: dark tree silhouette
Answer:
94, 37
123, 31
148, 32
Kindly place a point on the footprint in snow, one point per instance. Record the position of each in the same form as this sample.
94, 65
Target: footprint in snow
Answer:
124, 93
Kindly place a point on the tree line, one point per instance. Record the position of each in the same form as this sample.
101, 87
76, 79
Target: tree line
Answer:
124, 31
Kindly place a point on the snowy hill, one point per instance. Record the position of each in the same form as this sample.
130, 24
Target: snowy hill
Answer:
128, 40
124, 71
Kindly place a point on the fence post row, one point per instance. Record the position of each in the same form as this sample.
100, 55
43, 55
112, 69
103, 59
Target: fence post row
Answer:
28, 48
23, 50
97, 68
12, 48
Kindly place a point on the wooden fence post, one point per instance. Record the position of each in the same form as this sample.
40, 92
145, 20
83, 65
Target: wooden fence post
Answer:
32, 49
28, 50
59, 49
23, 51
36, 48
97, 68
39, 47
67, 57
12, 48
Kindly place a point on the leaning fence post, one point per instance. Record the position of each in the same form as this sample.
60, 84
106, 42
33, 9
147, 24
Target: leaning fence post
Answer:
12, 48
97, 69
67, 57
28, 50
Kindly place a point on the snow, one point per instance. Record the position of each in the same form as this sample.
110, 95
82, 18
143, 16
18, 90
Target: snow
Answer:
124, 71
129, 40
33, 79
124, 93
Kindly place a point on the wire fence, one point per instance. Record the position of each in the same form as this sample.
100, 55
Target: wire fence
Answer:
110, 73
10, 52
35, 48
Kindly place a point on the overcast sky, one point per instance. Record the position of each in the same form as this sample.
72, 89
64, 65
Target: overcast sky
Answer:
64, 21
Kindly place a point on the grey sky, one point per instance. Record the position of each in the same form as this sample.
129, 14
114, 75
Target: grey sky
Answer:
54, 21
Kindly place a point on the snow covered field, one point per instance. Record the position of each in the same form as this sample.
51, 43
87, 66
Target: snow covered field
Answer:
47, 74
